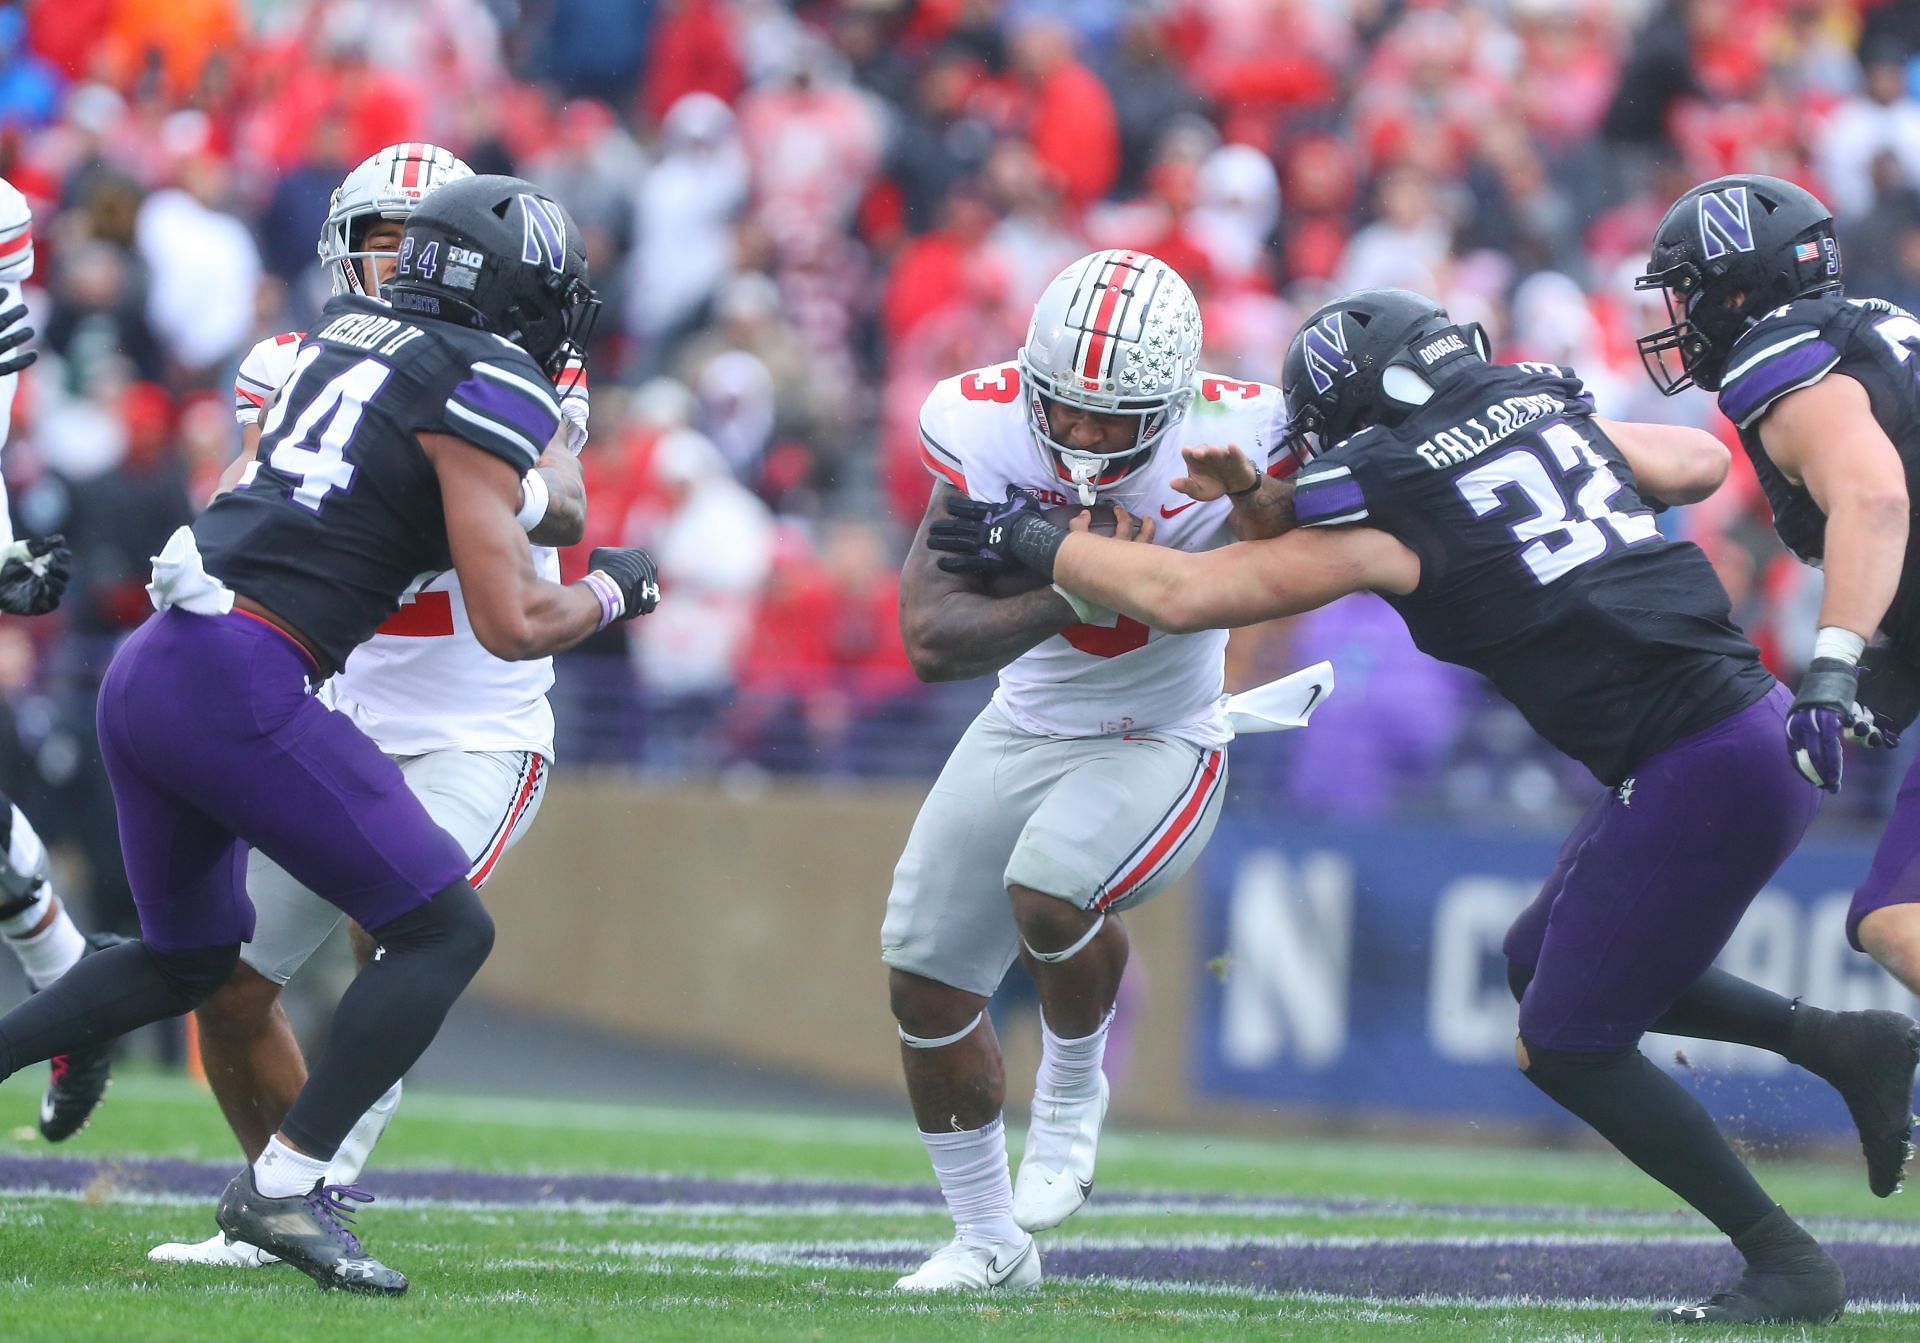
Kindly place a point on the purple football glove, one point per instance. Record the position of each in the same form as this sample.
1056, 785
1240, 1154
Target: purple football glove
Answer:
1822, 715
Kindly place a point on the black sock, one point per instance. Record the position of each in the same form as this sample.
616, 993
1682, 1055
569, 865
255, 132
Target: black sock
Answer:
107, 994
1658, 1126
390, 1014
1718, 1006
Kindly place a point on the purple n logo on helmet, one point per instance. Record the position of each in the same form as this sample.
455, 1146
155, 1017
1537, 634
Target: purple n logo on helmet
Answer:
1325, 349
1726, 222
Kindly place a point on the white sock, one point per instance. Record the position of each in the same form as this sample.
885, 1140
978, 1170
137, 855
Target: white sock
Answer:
1070, 1069
357, 1146
51, 952
282, 1172
972, 1167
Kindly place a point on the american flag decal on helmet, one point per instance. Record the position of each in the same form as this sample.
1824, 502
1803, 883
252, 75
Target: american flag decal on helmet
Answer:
1325, 348
1726, 222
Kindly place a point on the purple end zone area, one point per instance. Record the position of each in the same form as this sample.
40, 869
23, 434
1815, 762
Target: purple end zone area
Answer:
1575, 1269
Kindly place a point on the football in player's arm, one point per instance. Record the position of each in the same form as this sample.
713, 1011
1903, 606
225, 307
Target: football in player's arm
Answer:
1307, 567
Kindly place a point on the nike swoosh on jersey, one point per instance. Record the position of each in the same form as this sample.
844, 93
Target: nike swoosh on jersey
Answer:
1166, 512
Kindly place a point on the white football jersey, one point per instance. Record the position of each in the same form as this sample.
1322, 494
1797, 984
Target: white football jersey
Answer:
1097, 680
423, 682
16, 267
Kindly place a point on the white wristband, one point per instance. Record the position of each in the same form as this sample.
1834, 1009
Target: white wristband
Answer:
1834, 642
533, 501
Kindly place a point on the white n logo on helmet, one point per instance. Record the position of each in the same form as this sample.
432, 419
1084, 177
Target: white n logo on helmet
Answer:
1325, 349
1726, 223
543, 232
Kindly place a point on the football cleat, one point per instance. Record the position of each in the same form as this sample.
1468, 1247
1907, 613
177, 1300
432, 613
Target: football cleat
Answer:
1789, 1279
1056, 1166
962, 1266
79, 1077
1870, 1058
216, 1251
309, 1231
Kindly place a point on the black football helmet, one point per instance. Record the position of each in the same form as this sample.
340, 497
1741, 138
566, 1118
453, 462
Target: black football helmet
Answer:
1369, 358
499, 254
1726, 254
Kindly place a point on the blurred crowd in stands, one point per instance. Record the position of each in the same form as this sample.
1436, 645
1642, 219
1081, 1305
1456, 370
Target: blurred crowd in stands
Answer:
801, 216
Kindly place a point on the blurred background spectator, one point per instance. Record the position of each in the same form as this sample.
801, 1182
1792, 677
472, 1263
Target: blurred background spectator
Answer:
801, 216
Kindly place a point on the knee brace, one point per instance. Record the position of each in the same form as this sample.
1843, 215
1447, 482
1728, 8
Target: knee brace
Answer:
1055, 957
941, 1041
454, 925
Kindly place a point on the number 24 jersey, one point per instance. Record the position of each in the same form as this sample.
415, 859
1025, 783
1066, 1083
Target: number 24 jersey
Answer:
343, 512
1541, 567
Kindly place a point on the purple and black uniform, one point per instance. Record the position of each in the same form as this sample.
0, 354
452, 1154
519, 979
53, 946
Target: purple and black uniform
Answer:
1542, 568
1874, 343
208, 726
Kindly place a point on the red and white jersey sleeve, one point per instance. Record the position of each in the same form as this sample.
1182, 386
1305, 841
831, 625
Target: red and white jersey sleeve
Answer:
16, 237
1116, 676
263, 373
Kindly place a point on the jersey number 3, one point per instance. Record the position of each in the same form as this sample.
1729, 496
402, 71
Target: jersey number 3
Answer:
313, 452
1571, 518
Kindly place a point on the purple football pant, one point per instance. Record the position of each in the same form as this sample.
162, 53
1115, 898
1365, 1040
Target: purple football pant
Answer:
212, 743
1894, 878
1654, 879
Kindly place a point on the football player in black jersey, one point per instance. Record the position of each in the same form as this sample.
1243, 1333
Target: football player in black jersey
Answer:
1513, 530
396, 448
1826, 396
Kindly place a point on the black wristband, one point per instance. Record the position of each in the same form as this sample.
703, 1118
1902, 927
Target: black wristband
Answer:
1034, 541
1249, 492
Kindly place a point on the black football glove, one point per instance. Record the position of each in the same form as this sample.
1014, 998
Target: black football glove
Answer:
14, 332
33, 574
633, 571
986, 539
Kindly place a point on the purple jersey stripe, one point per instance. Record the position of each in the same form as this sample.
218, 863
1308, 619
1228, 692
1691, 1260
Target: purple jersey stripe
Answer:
513, 409
1758, 386
1315, 503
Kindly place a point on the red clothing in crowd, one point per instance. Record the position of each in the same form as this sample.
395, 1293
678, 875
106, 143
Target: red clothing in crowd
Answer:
1072, 128
692, 52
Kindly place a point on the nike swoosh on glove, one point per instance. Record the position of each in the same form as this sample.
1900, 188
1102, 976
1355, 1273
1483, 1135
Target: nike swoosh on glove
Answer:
1822, 712
33, 575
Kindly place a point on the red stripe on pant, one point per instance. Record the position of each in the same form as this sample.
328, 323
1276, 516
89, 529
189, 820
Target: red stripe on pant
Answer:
528, 785
1183, 825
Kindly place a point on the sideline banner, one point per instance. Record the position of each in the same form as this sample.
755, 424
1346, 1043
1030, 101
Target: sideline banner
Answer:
1358, 968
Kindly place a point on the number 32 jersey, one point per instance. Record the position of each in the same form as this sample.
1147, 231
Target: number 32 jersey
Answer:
1116, 676
1541, 567
1874, 343
342, 515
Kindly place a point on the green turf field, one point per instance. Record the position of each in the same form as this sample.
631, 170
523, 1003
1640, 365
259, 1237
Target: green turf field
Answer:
549, 1222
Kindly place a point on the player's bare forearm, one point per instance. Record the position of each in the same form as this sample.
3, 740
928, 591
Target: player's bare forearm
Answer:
565, 523
1866, 549
1265, 513
1235, 585
1825, 436
516, 615
249, 445
1672, 464
954, 630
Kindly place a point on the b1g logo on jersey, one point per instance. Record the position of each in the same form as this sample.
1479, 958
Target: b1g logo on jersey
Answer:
1325, 349
544, 233
1726, 222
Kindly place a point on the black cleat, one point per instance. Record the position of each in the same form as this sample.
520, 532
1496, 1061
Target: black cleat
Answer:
80, 1076
1790, 1279
1870, 1058
310, 1232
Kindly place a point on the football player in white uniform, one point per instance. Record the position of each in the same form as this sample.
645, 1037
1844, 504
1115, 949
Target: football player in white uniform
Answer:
33, 573
472, 734
1094, 778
